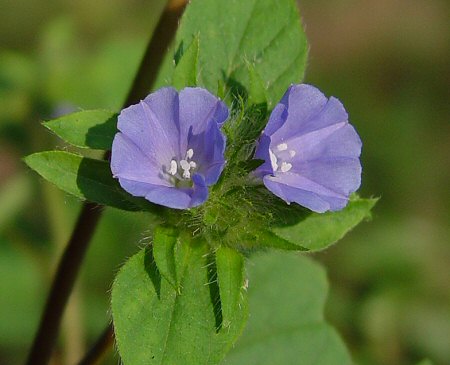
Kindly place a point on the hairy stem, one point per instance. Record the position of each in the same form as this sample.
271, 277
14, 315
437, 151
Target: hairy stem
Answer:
90, 214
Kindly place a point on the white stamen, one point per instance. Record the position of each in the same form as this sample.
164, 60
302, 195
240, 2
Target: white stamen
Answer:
286, 166
189, 153
292, 153
273, 160
186, 174
173, 167
185, 165
282, 147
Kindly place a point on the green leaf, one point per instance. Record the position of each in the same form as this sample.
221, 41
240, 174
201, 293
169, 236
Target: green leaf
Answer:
230, 276
164, 241
185, 73
287, 294
256, 92
234, 33
155, 324
86, 129
271, 240
84, 178
318, 231
250, 165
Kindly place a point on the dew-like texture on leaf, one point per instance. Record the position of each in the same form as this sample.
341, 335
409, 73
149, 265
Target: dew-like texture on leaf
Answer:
311, 151
287, 294
156, 324
234, 33
170, 147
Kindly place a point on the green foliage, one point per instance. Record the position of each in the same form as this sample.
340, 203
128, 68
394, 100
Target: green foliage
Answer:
318, 231
257, 94
164, 245
84, 178
268, 239
234, 33
287, 296
156, 324
250, 218
230, 276
185, 73
86, 129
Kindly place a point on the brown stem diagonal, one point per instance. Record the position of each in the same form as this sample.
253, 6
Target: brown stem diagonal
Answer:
97, 352
90, 214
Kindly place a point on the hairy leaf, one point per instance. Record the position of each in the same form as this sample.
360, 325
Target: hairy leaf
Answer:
234, 33
185, 73
287, 294
156, 324
318, 231
230, 276
86, 129
256, 91
85, 178
164, 241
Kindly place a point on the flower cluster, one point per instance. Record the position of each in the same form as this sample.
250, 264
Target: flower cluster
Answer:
170, 148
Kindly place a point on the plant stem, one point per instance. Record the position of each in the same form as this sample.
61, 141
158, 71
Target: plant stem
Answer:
90, 214
63, 283
163, 35
101, 346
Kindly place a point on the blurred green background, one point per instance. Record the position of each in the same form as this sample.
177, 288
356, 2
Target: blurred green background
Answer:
387, 60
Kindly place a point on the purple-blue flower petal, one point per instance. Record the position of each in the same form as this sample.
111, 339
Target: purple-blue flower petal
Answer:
308, 199
212, 158
277, 117
198, 108
262, 153
200, 193
170, 147
152, 123
127, 156
179, 198
311, 152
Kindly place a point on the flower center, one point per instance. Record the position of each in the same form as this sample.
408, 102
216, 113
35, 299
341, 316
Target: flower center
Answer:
281, 158
182, 169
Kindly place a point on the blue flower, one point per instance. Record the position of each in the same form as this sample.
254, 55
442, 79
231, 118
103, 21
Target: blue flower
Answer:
170, 147
310, 150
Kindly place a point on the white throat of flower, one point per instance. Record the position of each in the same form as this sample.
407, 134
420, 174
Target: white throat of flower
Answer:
281, 158
183, 169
